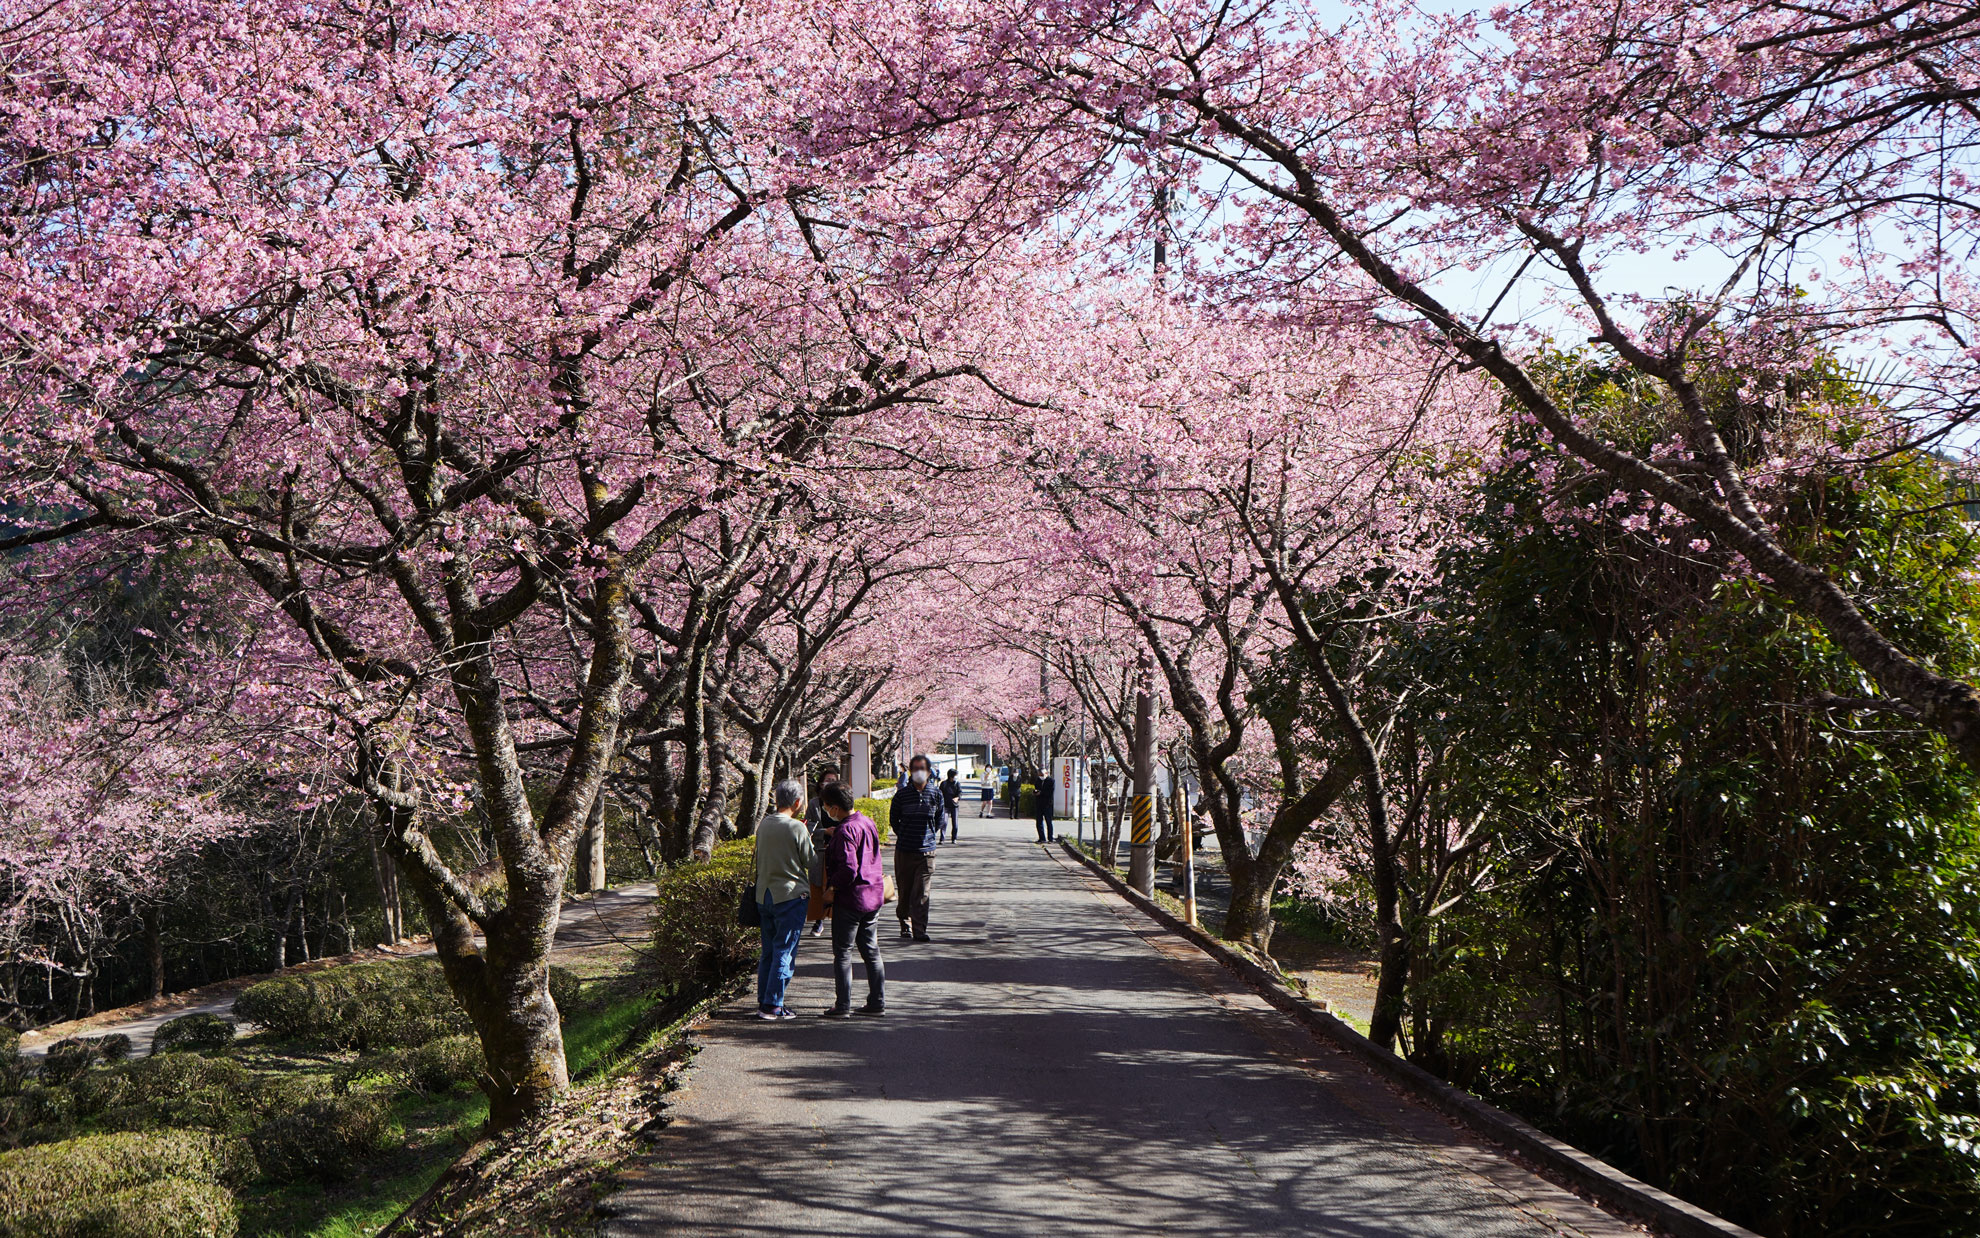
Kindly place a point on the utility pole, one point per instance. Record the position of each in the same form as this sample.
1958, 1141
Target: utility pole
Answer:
1141, 855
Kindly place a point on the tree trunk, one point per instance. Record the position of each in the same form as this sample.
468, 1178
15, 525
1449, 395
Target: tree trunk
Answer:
154, 953
715, 794
663, 789
388, 890
504, 986
590, 859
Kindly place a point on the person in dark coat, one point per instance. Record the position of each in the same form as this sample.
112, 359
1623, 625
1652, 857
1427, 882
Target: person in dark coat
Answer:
951, 797
1043, 805
915, 816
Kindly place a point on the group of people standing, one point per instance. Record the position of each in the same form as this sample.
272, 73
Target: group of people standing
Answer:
822, 861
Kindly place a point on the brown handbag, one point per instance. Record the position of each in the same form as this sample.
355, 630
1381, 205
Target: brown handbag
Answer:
886, 888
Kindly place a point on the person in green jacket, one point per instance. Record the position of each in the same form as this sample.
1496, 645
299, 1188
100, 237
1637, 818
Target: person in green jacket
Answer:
783, 888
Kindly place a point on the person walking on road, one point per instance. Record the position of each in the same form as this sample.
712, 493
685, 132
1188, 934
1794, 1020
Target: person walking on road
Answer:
989, 791
783, 888
820, 826
951, 804
854, 887
1043, 805
916, 818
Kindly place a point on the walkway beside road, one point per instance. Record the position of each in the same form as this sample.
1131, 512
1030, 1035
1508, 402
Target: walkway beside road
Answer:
1052, 1064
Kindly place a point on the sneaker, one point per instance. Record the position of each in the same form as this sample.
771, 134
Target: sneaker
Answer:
768, 1016
907, 934
818, 928
921, 937
870, 1008
836, 1012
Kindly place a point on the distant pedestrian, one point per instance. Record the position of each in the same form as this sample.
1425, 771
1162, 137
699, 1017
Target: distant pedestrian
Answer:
916, 819
1043, 805
855, 888
783, 888
951, 798
989, 791
820, 826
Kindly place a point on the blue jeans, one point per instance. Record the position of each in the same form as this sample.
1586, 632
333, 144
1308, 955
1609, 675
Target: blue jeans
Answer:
783, 927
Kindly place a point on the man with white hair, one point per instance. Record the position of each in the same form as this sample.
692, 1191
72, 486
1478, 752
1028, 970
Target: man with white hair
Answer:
783, 890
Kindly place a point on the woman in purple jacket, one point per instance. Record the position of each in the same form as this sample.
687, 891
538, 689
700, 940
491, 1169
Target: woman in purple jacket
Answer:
854, 887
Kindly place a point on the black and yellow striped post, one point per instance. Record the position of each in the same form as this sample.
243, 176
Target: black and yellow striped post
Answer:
1141, 855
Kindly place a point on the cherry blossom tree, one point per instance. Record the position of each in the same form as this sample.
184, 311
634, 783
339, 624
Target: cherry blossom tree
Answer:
1685, 184
434, 329
99, 801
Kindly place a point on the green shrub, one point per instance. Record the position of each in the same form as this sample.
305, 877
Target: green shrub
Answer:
115, 1047
67, 1059
326, 1138
13, 1069
371, 1007
881, 784
165, 1208
91, 1186
427, 1069
881, 813
186, 1090
697, 943
1027, 801
192, 1033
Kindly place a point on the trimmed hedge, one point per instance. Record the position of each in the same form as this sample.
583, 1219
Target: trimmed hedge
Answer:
697, 943
67, 1059
371, 1006
327, 1138
192, 1033
880, 811
434, 1067
169, 1182
1027, 801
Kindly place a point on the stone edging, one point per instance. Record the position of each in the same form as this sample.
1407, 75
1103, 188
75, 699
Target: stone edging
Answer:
1567, 1164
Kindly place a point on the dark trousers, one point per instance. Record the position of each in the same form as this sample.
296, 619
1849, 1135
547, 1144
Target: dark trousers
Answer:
913, 871
850, 928
1045, 826
951, 811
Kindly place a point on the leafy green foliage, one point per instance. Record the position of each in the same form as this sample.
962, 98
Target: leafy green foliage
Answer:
879, 812
164, 1182
1727, 932
325, 1138
370, 1006
192, 1033
697, 944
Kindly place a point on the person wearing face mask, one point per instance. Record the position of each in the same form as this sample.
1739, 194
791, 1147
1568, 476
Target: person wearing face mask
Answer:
916, 819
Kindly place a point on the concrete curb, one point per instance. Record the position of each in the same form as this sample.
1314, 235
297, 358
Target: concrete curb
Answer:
1567, 1164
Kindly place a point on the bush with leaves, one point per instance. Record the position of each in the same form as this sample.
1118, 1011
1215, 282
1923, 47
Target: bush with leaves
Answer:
169, 1183
434, 1067
697, 944
1727, 932
879, 812
326, 1138
370, 1007
192, 1033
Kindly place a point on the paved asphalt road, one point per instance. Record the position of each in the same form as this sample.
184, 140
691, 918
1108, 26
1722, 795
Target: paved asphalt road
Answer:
1050, 1064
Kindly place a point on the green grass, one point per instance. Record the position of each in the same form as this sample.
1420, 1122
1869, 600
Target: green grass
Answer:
438, 1129
598, 1033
